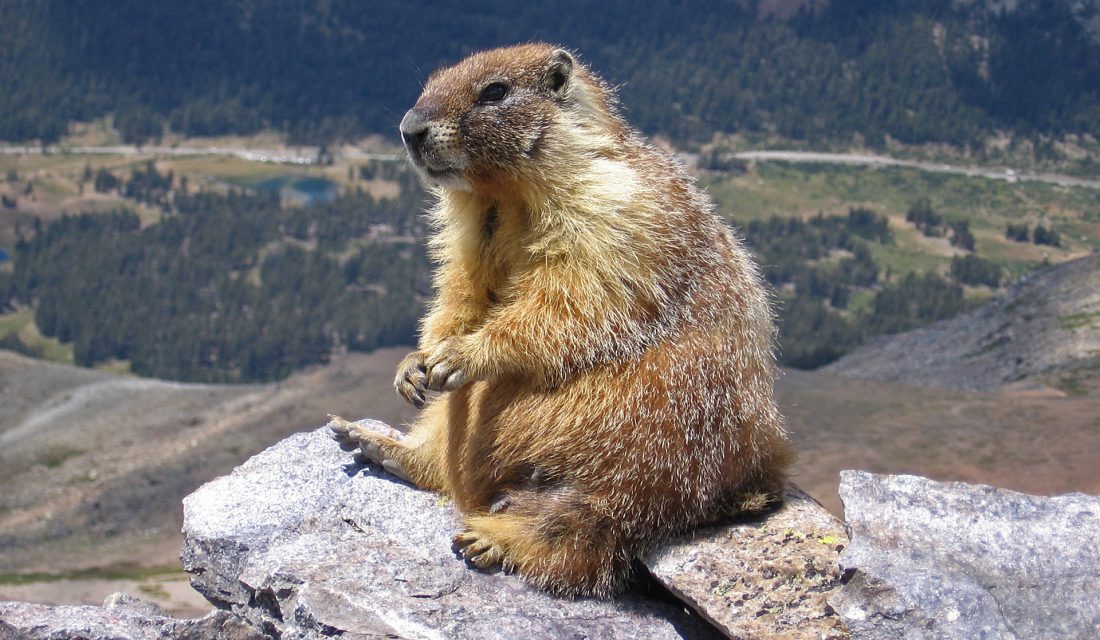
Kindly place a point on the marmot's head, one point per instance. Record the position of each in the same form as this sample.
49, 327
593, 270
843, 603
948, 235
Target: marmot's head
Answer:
500, 116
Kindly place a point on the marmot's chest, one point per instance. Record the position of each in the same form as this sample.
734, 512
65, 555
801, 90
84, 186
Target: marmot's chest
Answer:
499, 255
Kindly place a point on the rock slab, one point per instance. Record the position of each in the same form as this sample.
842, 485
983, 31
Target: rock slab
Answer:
302, 542
951, 560
764, 578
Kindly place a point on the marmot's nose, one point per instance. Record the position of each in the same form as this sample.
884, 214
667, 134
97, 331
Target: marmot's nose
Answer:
413, 127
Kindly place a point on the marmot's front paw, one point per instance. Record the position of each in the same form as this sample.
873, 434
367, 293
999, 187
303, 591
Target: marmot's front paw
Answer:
412, 378
446, 367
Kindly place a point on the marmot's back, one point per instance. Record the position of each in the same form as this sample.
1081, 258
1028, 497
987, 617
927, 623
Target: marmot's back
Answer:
603, 342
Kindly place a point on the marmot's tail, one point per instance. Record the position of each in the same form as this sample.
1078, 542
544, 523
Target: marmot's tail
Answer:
763, 490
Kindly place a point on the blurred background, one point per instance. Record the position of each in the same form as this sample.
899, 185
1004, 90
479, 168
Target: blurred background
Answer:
209, 237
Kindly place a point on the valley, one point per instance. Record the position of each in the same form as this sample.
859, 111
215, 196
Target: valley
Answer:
760, 186
210, 213
95, 461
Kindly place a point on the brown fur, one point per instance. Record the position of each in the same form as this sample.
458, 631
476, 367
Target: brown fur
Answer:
603, 341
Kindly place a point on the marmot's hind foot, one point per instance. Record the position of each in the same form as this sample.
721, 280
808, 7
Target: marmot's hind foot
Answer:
479, 550
559, 545
373, 446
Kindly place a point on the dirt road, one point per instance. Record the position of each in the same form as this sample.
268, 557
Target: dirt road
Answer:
309, 155
1008, 175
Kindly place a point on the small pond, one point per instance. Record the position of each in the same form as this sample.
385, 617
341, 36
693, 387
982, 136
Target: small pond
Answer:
299, 188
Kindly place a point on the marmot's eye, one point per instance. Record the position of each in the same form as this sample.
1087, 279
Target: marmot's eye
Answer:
493, 92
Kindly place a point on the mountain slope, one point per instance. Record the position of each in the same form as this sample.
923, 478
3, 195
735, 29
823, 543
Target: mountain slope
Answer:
908, 70
1044, 329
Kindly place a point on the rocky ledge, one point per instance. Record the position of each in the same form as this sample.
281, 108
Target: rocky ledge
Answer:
302, 542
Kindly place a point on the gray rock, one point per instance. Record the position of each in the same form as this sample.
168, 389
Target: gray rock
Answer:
950, 560
122, 601
303, 543
764, 578
121, 621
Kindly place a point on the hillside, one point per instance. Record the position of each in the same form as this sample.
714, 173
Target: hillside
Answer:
1045, 329
869, 71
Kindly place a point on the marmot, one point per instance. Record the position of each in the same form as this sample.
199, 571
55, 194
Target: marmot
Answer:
605, 344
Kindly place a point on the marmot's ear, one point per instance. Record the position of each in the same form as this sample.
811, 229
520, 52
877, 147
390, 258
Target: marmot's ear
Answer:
558, 72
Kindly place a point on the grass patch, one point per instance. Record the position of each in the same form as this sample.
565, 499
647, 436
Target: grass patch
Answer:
117, 367
804, 189
13, 323
118, 571
56, 455
1079, 381
226, 168
900, 260
100, 131
19, 331
153, 590
1072, 386
860, 301
1081, 320
51, 348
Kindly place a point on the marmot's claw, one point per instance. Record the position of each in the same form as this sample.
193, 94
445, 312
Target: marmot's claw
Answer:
412, 395
341, 432
445, 368
412, 378
500, 505
437, 374
351, 435
446, 376
480, 551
